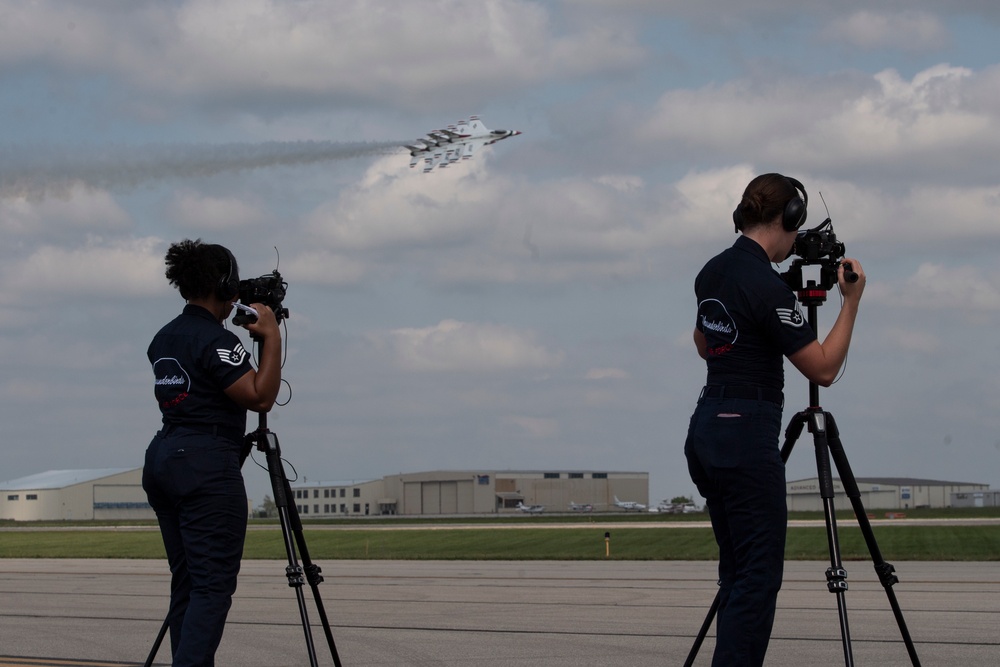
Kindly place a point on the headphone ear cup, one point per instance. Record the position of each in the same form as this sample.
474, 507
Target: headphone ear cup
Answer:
228, 286
794, 215
737, 220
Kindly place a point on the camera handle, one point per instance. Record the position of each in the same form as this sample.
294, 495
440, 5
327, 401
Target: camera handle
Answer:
826, 440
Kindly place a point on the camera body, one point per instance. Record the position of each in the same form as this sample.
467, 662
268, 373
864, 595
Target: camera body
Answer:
269, 290
817, 247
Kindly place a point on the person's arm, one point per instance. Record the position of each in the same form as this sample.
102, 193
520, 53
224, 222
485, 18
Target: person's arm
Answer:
820, 362
257, 390
701, 344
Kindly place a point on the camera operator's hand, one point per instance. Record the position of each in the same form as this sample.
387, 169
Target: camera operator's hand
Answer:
851, 290
257, 390
266, 325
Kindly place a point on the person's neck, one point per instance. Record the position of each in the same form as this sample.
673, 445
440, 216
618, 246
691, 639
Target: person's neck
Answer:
212, 305
772, 238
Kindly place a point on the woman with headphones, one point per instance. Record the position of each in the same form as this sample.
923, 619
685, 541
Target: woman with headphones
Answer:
748, 320
204, 385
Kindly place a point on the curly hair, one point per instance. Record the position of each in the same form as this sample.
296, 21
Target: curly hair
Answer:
764, 200
195, 268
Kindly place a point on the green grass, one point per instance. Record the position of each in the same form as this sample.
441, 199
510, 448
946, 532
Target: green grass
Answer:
896, 542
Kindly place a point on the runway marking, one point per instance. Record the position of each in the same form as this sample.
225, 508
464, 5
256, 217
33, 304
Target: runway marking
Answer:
16, 661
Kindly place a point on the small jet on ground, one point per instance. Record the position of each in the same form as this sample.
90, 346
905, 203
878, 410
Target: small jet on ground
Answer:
586, 507
439, 148
530, 509
629, 505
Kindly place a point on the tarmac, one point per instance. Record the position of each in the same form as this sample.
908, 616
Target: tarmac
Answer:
496, 614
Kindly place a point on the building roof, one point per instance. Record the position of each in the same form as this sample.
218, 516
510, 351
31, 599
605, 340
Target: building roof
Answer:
60, 479
901, 481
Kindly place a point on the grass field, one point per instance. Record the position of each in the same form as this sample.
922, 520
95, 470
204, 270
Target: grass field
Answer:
627, 542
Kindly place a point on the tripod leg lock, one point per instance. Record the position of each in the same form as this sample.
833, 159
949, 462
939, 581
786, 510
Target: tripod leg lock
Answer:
885, 572
836, 579
313, 574
294, 574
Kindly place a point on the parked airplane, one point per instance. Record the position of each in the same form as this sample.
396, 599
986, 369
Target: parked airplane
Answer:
586, 507
667, 507
530, 509
439, 148
629, 505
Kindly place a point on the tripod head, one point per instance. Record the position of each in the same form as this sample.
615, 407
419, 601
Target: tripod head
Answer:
817, 247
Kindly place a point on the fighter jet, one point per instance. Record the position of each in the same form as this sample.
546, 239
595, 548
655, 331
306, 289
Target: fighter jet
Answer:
440, 148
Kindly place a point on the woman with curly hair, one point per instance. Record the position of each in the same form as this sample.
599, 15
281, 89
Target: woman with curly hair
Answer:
204, 385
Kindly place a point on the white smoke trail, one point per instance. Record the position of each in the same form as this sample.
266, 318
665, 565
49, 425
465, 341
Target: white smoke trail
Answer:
35, 172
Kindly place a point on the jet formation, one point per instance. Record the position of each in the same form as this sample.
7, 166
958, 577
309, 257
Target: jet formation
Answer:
440, 148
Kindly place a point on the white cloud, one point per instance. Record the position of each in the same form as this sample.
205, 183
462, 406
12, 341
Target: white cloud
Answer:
607, 374
466, 347
935, 286
941, 118
80, 209
536, 427
351, 49
131, 267
906, 30
192, 210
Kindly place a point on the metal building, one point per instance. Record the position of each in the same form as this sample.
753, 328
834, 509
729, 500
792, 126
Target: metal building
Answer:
880, 493
72, 495
445, 492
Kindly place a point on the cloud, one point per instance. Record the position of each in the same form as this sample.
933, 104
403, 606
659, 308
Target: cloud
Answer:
846, 123
452, 346
80, 210
536, 427
351, 50
191, 210
115, 268
935, 286
905, 31
607, 374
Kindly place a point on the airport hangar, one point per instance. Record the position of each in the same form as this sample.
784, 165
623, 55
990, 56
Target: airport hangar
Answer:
116, 494
892, 493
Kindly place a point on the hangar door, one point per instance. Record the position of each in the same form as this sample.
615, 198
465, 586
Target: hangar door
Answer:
444, 497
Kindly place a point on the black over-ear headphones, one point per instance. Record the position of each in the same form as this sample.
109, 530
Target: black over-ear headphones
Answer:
228, 287
793, 216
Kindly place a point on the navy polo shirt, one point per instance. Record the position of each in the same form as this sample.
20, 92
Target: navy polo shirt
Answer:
194, 360
749, 316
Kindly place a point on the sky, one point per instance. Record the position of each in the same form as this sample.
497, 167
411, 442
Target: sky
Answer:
531, 308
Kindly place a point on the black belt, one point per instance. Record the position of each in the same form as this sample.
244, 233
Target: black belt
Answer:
208, 429
748, 392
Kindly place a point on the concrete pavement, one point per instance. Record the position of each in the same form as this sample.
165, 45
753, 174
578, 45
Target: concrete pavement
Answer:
497, 614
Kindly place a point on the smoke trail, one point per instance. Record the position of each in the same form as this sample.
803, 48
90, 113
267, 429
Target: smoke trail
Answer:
35, 172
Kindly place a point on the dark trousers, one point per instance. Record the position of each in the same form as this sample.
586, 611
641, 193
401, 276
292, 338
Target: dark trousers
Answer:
733, 457
193, 482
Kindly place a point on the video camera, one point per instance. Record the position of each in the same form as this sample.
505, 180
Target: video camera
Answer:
269, 290
818, 247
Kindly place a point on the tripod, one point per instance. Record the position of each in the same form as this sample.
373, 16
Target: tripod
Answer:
266, 441
826, 439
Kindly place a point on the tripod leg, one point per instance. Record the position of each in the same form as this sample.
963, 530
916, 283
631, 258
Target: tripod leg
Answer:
279, 485
836, 575
313, 576
156, 643
884, 570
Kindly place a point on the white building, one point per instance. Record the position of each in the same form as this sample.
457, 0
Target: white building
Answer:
880, 493
469, 492
73, 495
